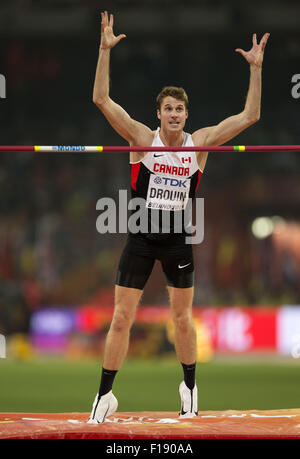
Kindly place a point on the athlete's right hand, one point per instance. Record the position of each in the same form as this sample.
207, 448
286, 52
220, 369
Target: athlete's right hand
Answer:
108, 39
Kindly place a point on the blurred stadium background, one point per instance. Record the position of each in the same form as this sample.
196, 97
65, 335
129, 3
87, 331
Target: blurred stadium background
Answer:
57, 272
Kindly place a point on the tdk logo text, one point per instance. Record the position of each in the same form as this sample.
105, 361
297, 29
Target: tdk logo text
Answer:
174, 182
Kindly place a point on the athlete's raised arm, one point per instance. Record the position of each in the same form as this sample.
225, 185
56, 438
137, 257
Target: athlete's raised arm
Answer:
232, 126
134, 132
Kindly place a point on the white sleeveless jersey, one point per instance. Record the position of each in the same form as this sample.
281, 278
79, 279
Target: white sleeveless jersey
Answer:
166, 180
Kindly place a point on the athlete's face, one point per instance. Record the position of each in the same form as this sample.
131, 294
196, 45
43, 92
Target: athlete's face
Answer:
172, 114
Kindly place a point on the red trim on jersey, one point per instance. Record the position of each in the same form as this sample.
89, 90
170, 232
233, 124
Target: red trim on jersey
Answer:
199, 177
135, 169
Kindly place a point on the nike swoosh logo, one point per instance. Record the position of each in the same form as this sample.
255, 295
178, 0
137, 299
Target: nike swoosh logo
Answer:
157, 156
185, 412
103, 416
182, 412
183, 266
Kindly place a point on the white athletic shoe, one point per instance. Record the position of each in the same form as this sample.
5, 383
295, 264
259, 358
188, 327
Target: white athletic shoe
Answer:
189, 401
102, 407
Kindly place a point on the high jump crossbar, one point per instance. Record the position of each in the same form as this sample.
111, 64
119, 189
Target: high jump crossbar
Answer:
119, 149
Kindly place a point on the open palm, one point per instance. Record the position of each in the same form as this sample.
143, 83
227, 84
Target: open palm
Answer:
108, 38
255, 55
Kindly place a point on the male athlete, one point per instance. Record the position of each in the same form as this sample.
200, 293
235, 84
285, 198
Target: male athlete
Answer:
151, 172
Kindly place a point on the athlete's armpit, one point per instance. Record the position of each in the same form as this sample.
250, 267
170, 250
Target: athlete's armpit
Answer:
131, 130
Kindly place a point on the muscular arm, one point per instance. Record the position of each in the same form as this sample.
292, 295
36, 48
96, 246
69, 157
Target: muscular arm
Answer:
131, 130
234, 125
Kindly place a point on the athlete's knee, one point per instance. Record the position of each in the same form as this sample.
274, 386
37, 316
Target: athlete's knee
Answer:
122, 321
183, 321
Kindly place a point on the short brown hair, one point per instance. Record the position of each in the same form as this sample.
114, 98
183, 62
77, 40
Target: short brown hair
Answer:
172, 91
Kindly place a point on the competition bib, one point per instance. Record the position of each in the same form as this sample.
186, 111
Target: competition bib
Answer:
167, 193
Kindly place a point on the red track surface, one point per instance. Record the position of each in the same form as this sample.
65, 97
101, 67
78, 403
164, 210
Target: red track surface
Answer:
153, 425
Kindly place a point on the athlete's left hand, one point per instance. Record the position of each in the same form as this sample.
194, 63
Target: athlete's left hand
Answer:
256, 54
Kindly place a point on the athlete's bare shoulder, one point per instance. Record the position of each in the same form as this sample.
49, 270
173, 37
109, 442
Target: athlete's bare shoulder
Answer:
146, 139
199, 136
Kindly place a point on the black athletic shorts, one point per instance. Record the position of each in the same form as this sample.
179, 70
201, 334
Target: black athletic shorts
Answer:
139, 255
